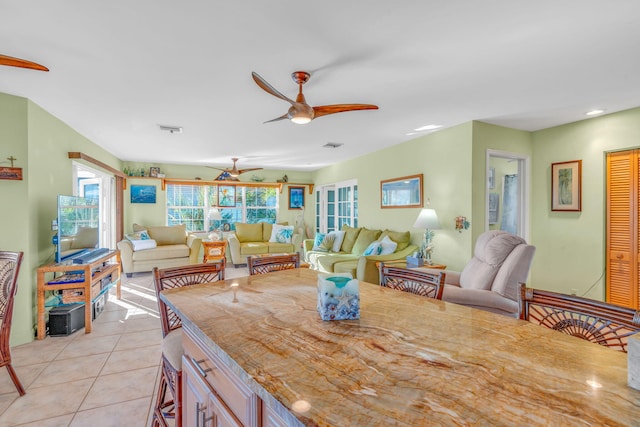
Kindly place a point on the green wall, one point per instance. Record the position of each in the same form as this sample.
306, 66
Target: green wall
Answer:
571, 245
40, 141
445, 159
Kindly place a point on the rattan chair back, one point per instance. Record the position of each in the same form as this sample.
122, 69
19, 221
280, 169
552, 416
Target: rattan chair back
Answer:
596, 321
9, 268
413, 280
176, 277
262, 264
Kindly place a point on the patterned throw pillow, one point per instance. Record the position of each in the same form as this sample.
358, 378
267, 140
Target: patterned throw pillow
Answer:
375, 248
387, 246
138, 235
324, 242
281, 233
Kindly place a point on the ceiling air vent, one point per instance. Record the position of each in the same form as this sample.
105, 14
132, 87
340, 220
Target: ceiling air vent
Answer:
171, 129
332, 145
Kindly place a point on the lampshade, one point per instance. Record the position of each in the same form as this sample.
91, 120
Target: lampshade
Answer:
215, 214
427, 219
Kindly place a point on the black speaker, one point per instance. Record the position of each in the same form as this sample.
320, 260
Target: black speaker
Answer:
65, 320
98, 305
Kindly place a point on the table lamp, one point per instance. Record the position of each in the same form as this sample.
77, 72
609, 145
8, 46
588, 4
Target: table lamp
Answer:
215, 215
427, 219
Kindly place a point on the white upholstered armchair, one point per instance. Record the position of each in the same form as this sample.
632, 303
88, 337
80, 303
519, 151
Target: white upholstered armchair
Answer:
490, 280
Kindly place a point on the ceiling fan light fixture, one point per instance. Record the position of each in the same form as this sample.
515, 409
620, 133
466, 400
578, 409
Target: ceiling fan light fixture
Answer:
301, 119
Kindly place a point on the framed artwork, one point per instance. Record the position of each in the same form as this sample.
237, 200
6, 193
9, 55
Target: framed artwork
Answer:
404, 192
566, 186
494, 203
153, 172
143, 194
296, 197
227, 195
492, 178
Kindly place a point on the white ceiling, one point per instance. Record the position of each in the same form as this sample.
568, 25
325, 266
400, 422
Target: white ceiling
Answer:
121, 68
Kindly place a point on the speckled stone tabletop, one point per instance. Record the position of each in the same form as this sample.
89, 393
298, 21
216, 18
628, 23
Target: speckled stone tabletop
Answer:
408, 360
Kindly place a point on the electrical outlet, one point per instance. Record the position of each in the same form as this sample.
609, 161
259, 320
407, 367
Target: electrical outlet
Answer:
54, 225
574, 292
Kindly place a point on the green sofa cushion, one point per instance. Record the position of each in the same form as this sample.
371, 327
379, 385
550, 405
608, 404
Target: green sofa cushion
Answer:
350, 236
365, 237
326, 263
165, 234
254, 248
250, 232
402, 238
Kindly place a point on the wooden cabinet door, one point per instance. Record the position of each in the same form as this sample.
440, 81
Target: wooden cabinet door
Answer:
194, 397
622, 260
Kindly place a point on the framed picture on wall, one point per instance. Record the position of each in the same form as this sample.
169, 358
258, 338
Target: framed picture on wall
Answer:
404, 192
227, 195
566, 186
296, 197
143, 194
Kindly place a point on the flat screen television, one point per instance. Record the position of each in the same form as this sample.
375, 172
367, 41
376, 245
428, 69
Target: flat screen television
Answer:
78, 226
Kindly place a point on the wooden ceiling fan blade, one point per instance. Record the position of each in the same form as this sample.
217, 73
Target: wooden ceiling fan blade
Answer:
268, 88
282, 117
22, 63
325, 110
241, 171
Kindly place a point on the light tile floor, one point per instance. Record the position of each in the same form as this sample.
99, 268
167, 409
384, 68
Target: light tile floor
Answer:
105, 378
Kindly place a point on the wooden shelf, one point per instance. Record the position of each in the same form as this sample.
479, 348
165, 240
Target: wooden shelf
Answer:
279, 185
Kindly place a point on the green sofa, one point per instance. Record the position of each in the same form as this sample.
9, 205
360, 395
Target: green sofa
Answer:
351, 259
253, 239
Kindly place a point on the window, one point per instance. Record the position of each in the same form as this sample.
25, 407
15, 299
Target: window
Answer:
336, 205
191, 205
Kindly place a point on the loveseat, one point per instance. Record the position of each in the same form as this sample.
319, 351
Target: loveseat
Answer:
158, 246
261, 238
356, 251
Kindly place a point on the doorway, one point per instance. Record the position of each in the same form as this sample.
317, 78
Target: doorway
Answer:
507, 194
89, 182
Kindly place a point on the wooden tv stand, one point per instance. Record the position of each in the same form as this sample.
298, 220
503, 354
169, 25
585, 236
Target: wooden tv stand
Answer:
94, 272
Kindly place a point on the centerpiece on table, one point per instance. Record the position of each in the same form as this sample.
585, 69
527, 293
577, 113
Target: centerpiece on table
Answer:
338, 297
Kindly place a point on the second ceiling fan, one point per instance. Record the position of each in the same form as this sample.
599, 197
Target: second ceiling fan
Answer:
300, 112
233, 173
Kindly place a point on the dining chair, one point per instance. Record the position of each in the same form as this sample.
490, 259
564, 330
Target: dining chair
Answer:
9, 269
261, 264
413, 280
168, 402
596, 321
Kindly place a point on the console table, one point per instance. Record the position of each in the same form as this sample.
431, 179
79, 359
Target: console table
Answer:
93, 273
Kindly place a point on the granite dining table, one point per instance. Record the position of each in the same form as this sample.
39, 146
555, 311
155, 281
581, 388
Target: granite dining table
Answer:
408, 360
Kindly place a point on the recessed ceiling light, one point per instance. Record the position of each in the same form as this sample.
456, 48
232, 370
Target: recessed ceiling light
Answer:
593, 112
332, 145
428, 127
171, 129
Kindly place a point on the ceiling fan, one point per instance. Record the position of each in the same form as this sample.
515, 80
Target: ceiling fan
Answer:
300, 112
22, 63
233, 173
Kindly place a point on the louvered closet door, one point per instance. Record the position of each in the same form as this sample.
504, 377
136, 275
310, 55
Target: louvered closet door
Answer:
622, 228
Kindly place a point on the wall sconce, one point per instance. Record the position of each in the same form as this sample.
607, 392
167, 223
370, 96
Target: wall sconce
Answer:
462, 223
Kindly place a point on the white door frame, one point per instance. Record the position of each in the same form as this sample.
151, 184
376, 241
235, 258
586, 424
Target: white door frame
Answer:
524, 173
